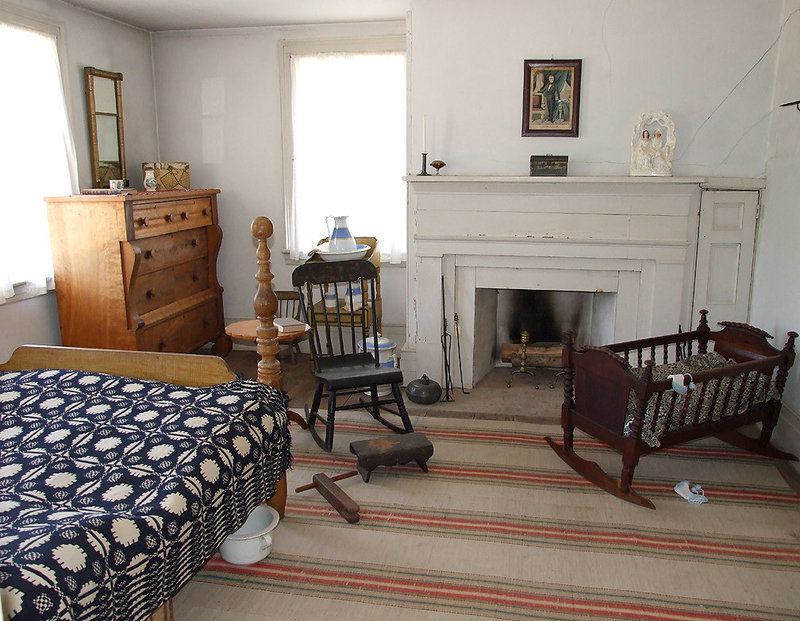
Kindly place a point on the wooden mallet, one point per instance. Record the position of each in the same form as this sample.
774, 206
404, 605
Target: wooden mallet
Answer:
346, 506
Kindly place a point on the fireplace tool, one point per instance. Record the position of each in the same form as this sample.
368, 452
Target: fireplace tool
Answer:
447, 343
457, 329
525, 337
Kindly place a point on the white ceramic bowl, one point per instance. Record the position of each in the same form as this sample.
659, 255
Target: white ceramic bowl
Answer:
253, 541
348, 255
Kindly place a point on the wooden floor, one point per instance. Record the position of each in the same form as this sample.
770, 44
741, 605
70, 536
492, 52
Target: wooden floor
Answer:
531, 399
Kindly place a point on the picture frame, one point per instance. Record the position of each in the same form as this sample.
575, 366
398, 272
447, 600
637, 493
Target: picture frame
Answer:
551, 98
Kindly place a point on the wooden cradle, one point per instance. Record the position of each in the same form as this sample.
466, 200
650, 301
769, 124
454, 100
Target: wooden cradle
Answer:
611, 394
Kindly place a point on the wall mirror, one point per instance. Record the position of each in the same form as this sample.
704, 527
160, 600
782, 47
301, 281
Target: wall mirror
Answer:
106, 138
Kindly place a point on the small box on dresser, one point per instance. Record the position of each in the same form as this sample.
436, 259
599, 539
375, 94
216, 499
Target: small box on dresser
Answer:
138, 271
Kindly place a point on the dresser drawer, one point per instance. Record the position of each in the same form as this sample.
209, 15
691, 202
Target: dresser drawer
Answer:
151, 219
166, 250
156, 289
190, 278
184, 332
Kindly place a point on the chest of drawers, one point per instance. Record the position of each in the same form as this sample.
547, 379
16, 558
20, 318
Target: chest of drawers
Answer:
138, 271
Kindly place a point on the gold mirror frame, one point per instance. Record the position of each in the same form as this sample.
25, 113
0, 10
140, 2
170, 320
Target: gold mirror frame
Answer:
102, 174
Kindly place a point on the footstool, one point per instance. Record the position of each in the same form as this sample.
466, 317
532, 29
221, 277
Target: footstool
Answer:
391, 451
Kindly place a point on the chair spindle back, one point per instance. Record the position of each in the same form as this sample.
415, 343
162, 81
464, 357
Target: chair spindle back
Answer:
340, 327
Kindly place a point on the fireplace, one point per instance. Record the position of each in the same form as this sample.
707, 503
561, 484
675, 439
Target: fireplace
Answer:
545, 315
625, 246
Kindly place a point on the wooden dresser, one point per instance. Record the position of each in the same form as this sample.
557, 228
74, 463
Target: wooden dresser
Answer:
138, 271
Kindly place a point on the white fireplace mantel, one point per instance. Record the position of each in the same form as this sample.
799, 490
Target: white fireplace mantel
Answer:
633, 236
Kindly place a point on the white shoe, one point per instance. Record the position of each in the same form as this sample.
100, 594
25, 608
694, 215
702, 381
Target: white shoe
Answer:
684, 491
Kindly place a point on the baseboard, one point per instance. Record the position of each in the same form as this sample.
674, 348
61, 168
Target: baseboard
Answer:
786, 437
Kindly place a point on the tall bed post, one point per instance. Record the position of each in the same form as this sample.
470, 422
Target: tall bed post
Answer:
266, 304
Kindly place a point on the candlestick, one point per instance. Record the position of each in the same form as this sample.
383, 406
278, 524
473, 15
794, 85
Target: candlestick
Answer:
424, 172
424, 134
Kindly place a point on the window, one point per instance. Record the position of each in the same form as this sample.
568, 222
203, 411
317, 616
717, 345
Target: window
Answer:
37, 157
345, 142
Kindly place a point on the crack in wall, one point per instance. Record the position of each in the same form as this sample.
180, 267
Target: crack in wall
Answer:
735, 87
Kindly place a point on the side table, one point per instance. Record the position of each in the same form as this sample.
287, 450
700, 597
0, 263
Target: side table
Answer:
246, 330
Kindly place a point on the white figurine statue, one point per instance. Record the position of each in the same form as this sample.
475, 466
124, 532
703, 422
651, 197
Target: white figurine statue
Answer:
651, 155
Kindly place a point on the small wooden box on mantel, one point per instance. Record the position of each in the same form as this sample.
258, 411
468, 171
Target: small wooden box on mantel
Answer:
549, 165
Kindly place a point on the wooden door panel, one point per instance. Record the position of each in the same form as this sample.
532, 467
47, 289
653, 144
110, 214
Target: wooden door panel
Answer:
726, 241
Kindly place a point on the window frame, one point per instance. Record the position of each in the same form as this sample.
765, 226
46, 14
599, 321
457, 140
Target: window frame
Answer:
302, 47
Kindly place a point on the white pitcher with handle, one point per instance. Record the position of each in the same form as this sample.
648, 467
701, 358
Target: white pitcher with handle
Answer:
339, 239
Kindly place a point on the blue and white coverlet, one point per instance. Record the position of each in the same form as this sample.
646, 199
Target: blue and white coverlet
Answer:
113, 490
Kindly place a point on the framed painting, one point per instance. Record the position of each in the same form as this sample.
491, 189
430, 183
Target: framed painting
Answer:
551, 98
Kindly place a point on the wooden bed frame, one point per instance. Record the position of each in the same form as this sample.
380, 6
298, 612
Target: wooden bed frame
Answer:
184, 369
598, 382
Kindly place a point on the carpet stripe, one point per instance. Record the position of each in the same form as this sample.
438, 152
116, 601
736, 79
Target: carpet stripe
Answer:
607, 538
454, 592
707, 451
537, 478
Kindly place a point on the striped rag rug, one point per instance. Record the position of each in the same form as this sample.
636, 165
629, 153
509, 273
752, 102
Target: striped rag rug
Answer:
501, 528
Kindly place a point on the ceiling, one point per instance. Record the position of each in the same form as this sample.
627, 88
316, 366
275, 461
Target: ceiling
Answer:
193, 14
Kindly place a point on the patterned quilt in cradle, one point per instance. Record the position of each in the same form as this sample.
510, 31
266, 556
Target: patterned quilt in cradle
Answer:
114, 490
669, 416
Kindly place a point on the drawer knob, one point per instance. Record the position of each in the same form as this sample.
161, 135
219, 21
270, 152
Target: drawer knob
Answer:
168, 217
194, 243
184, 215
150, 294
195, 278
143, 221
148, 254
205, 212
162, 346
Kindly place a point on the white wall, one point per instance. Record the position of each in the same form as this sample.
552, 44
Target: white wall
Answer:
102, 43
219, 109
709, 64
466, 70
32, 321
776, 288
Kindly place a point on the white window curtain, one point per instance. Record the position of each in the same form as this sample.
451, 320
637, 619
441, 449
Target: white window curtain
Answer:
349, 148
37, 157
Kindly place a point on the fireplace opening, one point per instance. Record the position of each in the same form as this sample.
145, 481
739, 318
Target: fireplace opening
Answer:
502, 314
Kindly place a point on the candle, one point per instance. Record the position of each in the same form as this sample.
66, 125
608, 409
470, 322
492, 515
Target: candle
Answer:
424, 134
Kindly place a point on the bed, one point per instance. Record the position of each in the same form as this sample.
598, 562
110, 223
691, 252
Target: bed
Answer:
122, 472
647, 395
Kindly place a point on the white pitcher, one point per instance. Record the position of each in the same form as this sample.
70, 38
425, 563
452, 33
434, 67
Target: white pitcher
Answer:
340, 239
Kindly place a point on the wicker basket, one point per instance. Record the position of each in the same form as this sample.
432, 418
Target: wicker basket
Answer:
169, 175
